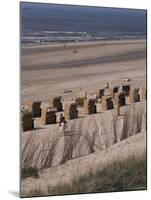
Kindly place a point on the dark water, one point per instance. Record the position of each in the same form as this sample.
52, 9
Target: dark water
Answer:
50, 22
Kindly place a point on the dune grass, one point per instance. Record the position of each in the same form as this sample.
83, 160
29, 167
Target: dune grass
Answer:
118, 176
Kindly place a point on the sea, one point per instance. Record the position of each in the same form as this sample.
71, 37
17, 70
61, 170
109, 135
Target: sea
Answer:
42, 22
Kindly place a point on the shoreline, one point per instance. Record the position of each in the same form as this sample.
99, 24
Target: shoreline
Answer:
80, 54
45, 42
77, 43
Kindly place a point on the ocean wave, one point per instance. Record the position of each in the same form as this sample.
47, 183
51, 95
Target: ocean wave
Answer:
64, 32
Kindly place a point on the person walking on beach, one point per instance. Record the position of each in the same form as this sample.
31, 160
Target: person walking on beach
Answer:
61, 118
62, 123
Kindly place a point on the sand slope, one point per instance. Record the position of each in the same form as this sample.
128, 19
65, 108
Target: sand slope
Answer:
134, 146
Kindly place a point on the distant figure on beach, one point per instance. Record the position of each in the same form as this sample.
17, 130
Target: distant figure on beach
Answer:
120, 90
41, 41
96, 98
62, 123
107, 85
64, 44
61, 118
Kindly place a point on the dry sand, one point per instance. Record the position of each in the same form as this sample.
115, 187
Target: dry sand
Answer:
48, 70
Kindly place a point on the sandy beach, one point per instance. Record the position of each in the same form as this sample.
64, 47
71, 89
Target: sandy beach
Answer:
50, 69
83, 99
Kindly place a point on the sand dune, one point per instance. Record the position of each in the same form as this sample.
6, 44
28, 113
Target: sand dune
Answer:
134, 146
